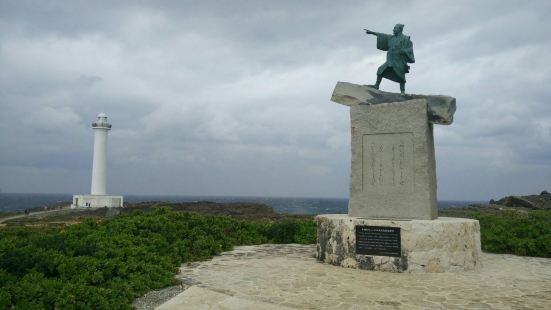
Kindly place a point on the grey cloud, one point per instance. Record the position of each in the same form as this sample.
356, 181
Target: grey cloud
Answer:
233, 97
89, 80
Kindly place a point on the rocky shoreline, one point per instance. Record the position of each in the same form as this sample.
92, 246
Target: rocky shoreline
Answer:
523, 204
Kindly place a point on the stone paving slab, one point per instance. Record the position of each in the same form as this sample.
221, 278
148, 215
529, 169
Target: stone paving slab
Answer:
290, 276
197, 298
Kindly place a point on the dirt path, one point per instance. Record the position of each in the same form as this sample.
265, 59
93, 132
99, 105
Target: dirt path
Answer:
32, 214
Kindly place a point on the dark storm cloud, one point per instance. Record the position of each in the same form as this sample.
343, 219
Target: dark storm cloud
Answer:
212, 97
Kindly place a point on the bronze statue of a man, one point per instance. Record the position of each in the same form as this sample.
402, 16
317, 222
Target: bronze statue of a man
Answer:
400, 53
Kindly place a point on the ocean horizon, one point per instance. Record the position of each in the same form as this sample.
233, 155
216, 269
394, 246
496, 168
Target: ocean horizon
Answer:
12, 202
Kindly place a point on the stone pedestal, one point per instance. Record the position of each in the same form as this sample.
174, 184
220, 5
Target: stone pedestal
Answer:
392, 222
441, 245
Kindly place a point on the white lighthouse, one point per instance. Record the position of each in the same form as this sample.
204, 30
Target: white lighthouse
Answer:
98, 194
99, 165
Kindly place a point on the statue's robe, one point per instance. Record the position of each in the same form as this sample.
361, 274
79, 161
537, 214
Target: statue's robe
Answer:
399, 53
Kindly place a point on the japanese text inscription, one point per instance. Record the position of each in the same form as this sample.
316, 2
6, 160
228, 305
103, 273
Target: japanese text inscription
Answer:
387, 162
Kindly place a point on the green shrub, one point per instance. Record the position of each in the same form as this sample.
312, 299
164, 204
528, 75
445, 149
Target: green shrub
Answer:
293, 231
107, 264
513, 232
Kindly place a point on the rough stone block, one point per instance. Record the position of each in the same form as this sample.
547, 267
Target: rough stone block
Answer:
440, 109
441, 245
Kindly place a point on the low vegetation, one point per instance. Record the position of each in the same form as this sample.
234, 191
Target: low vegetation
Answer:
103, 263
515, 232
106, 264
519, 225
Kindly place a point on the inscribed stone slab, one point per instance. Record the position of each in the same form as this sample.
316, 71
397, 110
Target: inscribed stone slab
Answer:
393, 166
388, 162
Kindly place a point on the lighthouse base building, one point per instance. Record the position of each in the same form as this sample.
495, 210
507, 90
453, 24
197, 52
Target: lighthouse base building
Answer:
98, 197
97, 201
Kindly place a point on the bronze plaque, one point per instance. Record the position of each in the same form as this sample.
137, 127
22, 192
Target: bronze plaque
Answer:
378, 240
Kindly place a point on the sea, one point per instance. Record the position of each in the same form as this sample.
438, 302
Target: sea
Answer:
11, 202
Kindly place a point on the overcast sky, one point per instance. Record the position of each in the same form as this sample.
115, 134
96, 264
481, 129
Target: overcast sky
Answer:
232, 97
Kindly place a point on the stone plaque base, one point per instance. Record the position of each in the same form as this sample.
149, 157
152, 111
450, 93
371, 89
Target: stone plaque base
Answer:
442, 245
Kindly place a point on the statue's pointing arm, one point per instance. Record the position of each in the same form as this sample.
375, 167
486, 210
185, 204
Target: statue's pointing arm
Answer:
371, 32
382, 39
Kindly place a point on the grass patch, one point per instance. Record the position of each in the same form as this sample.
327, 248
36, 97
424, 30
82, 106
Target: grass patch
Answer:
106, 264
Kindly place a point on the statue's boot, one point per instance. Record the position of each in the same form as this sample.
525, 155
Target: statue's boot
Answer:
379, 79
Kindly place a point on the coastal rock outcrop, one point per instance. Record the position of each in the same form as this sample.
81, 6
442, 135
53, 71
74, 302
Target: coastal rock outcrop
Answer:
533, 202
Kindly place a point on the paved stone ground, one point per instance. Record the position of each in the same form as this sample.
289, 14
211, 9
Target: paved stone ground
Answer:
153, 299
289, 276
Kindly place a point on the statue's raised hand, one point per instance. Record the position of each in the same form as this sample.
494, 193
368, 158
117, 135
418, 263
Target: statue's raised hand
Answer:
369, 31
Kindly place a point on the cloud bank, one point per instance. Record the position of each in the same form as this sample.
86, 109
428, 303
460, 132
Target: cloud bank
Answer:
232, 98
